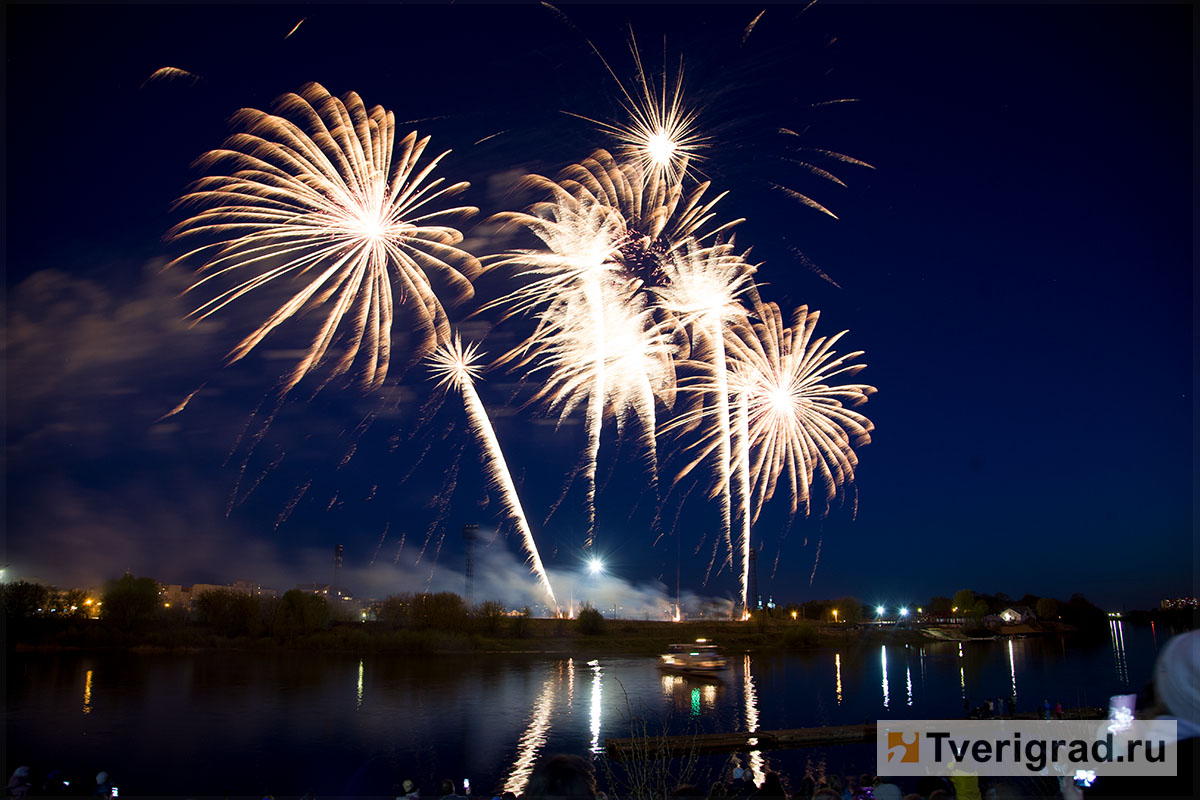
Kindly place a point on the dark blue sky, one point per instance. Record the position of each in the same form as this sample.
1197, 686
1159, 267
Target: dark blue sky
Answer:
1017, 267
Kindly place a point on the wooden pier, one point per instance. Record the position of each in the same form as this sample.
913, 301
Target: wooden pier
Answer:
741, 741
792, 739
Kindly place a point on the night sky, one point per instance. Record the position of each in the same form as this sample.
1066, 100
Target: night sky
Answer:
1017, 266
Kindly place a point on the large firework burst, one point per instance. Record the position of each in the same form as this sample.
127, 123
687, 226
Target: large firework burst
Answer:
321, 194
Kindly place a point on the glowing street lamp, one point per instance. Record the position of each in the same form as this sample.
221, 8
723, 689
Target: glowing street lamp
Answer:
879, 611
904, 612
835, 619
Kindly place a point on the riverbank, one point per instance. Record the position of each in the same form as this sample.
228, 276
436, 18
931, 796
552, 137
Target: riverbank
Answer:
536, 636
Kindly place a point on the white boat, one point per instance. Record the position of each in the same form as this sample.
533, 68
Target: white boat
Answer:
698, 658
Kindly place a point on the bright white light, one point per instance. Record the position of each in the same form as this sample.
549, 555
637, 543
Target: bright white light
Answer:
904, 612
660, 147
595, 566
879, 610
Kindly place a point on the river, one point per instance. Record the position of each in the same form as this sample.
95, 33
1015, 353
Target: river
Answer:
211, 724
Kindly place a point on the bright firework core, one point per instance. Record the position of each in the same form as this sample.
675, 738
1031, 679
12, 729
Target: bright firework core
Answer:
660, 147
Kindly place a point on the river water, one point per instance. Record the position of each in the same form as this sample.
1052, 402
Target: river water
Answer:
284, 723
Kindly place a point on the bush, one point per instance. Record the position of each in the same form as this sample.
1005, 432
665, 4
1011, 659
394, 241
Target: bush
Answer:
589, 620
802, 634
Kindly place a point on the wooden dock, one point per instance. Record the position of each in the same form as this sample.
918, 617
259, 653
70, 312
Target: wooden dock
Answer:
792, 739
741, 741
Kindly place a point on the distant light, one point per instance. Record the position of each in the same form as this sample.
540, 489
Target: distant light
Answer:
595, 566
879, 610
793, 615
904, 612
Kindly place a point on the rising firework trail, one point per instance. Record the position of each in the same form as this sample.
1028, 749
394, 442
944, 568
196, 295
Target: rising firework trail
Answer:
454, 367
702, 293
320, 193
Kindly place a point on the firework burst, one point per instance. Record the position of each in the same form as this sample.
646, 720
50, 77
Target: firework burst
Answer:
455, 368
801, 425
321, 194
659, 135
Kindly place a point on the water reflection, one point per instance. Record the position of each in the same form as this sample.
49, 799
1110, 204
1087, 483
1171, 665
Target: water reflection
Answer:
751, 706
360, 684
1012, 671
837, 664
962, 675
534, 738
87, 693
883, 661
597, 691
1118, 644
908, 677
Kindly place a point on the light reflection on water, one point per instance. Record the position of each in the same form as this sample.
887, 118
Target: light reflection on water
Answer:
493, 716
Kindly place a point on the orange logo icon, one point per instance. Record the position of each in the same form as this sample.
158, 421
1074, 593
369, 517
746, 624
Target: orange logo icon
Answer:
906, 745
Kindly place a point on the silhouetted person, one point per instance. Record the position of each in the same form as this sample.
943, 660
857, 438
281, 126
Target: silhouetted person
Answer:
562, 777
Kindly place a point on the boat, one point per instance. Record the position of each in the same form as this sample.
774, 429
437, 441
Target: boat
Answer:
698, 658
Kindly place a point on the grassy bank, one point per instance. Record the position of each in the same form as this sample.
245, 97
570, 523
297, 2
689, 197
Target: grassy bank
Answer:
549, 636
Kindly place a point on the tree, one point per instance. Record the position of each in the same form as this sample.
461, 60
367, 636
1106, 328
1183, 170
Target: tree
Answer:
940, 606
520, 623
129, 602
1047, 608
395, 609
300, 613
589, 620
963, 600
444, 611
228, 612
24, 599
850, 610
490, 613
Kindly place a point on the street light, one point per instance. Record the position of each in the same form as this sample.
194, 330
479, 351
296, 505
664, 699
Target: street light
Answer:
904, 612
879, 611
835, 619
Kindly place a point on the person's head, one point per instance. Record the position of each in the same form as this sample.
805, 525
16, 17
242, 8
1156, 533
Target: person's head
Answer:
101, 778
826, 794
447, 786
739, 773
835, 783
772, 785
562, 776
1177, 677
408, 785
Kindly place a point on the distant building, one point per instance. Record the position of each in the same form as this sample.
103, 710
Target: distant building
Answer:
1179, 602
1015, 615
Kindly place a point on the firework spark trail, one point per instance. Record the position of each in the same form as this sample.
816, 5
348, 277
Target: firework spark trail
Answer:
291, 506
441, 502
378, 546
743, 472
177, 409
399, 548
703, 293
323, 198
454, 367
